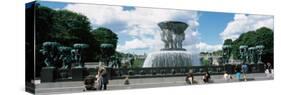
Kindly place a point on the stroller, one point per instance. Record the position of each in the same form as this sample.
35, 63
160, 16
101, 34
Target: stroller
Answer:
89, 83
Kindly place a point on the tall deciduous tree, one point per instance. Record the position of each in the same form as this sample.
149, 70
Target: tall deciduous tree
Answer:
104, 35
261, 36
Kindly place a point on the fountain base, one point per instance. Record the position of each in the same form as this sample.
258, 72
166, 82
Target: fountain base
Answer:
168, 58
173, 49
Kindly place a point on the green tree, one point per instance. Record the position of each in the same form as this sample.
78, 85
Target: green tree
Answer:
265, 37
104, 35
262, 36
65, 27
227, 42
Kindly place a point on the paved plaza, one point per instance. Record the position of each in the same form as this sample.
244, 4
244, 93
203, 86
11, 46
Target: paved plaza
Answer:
118, 84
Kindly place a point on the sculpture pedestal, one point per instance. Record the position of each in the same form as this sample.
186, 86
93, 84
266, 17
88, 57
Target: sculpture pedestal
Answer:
77, 73
48, 74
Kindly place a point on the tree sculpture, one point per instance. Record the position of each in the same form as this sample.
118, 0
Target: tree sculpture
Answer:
77, 54
252, 55
107, 51
244, 53
226, 53
50, 51
259, 52
65, 57
172, 34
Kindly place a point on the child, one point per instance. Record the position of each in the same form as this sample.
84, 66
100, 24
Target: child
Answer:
226, 76
127, 80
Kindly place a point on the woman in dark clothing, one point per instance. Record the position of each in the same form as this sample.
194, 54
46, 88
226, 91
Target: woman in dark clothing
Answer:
104, 79
206, 77
189, 78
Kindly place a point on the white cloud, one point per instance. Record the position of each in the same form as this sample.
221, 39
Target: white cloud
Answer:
204, 47
133, 44
140, 24
243, 23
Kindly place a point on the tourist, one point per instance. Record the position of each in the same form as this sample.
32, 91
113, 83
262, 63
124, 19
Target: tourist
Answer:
269, 67
189, 78
226, 76
244, 71
269, 70
127, 80
238, 72
206, 77
244, 68
89, 83
104, 76
99, 79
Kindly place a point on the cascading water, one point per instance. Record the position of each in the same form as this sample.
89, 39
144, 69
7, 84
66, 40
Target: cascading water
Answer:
172, 55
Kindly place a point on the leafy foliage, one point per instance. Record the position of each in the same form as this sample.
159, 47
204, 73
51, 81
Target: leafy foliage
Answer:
262, 36
104, 35
227, 42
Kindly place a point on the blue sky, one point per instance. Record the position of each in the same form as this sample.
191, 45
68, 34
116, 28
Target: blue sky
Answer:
211, 24
138, 32
53, 5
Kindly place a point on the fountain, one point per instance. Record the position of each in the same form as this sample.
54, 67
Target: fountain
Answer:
172, 55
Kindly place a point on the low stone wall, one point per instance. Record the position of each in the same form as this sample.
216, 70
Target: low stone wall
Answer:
176, 71
115, 73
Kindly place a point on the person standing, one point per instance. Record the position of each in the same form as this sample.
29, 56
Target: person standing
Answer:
269, 70
99, 80
269, 67
104, 76
244, 71
189, 78
238, 72
127, 82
